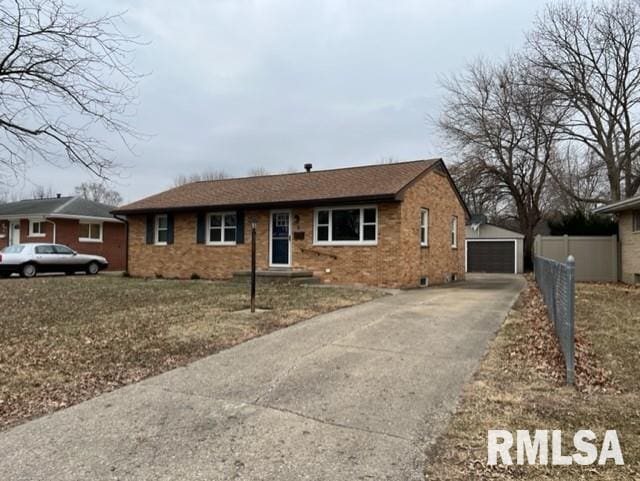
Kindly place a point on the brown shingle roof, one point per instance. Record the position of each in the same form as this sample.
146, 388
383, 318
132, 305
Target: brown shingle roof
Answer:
371, 182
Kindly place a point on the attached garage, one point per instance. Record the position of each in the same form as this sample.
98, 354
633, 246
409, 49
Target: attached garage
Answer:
490, 248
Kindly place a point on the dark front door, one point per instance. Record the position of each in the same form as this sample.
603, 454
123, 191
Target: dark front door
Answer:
491, 256
280, 238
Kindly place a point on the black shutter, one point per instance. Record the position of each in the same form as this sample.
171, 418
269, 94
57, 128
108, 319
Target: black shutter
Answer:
201, 221
150, 228
240, 227
169, 228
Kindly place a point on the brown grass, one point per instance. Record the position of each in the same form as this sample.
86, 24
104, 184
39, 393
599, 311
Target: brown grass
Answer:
64, 340
519, 386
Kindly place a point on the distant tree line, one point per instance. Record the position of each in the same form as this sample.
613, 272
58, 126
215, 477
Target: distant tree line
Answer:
95, 191
221, 174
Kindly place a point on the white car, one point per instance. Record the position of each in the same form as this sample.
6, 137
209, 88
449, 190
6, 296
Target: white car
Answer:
31, 259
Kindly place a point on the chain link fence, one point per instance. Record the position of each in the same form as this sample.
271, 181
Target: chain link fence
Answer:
557, 282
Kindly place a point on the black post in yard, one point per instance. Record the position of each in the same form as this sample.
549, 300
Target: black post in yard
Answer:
253, 265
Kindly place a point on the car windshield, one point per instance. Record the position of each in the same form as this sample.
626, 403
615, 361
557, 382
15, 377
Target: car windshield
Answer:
14, 249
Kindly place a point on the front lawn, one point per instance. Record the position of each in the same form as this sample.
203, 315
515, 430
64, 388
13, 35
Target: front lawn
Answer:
520, 386
66, 339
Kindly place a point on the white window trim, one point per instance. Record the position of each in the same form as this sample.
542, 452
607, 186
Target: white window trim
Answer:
360, 242
454, 231
156, 229
221, 242
91, 239
35, 234
424, 227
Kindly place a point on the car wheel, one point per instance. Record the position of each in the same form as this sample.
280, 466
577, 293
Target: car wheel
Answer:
93, 268
28, 270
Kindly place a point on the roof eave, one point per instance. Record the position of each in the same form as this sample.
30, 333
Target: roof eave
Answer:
438, 162
627, 204
267, 205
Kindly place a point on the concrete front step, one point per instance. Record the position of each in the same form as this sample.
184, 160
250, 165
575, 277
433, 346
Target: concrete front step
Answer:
278, 275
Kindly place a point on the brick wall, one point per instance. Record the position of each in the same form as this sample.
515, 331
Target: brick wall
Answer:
112, 246
353, 264
4, 233
397, 260
438, 260
629, 247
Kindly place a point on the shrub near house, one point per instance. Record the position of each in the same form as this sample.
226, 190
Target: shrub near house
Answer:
396, 225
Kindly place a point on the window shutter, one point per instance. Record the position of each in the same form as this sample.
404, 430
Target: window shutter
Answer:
201, 225
150, 228
240, 227
169, 228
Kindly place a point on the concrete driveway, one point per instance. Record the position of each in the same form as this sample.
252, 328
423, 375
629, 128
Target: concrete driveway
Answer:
354, 394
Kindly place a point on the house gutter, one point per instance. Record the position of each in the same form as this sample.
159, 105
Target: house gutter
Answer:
266, 205
126, 241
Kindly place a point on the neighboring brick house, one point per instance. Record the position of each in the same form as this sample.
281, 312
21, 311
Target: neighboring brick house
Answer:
85, 226
397, 225
628, 213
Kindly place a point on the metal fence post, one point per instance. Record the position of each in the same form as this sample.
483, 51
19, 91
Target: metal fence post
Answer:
571, 301
253, 265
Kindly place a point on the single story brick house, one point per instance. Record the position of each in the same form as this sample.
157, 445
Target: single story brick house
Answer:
628, 213
396, 225
85, 226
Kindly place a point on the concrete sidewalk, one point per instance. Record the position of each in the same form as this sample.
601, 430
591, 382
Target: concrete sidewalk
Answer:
354, 394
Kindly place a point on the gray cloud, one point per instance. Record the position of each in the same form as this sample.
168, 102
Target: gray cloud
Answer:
237, 84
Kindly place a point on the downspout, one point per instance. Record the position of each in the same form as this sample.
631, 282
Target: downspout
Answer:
126, 241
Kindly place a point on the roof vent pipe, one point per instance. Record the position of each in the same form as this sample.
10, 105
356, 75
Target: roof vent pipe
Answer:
308, 167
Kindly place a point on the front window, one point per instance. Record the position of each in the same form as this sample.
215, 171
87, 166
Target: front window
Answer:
353, 225
322, 226
424, 227
161, 229
90, 232
222, 228
454, 231
636, 221
36, 229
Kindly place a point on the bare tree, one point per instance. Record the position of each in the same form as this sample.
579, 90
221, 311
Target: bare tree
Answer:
257, 171
63, 78
480, 191
388, 159
589, 56
42, 192
578, 178
504, 130
98, 192
207, 175
8, 194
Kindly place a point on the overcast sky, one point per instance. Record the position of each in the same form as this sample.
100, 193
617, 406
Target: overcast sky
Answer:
239, 84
